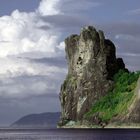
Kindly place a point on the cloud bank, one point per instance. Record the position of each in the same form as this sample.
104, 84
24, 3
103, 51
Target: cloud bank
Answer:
31, 45
23, 47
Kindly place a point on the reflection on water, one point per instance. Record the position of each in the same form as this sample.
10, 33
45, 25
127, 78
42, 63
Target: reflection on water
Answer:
69, 134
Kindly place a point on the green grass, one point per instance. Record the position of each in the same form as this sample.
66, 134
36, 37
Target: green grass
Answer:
117, 101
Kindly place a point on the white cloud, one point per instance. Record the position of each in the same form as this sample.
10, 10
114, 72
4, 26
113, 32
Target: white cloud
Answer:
61, 46
23, 87
12, 67
36, 35
19, 78
20, 33
20, 36
49, 7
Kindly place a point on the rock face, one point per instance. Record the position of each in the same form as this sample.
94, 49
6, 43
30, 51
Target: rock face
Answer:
134, 111
92, 64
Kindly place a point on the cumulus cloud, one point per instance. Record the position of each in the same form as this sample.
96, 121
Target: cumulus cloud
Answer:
31, 44
20, 33
48, 7
23, 46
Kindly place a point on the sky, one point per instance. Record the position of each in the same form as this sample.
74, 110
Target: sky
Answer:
32, 56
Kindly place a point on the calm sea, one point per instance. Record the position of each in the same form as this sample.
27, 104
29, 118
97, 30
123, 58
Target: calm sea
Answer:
69, 134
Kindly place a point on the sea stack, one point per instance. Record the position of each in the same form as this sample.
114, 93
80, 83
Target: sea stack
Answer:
92, 63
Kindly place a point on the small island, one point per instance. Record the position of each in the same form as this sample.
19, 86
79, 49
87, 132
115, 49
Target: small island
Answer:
99, 91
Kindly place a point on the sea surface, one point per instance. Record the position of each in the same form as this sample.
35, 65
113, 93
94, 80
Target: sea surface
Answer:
69, 134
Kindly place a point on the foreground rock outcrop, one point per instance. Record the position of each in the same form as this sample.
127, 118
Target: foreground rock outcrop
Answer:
133, 115
129, 118
92, 63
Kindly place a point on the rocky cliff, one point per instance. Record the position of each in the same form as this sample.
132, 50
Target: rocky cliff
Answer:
92, 63
133, 115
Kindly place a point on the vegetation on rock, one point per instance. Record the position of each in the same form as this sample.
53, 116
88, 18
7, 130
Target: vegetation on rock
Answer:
92, 63
98, 89
118, 100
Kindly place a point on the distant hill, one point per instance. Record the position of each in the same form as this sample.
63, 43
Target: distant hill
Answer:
48, 120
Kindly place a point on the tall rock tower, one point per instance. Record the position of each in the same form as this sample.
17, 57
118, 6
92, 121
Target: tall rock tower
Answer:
92, 64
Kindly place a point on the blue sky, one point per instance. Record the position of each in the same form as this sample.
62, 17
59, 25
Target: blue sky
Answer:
8, 6
32, 49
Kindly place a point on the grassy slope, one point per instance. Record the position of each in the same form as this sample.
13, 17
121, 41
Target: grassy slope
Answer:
118, 100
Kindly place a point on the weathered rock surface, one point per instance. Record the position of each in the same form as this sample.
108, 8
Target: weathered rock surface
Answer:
133, 115
131, 118
92, 64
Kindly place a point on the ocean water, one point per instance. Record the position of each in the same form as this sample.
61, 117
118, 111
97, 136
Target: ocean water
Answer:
69, 134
